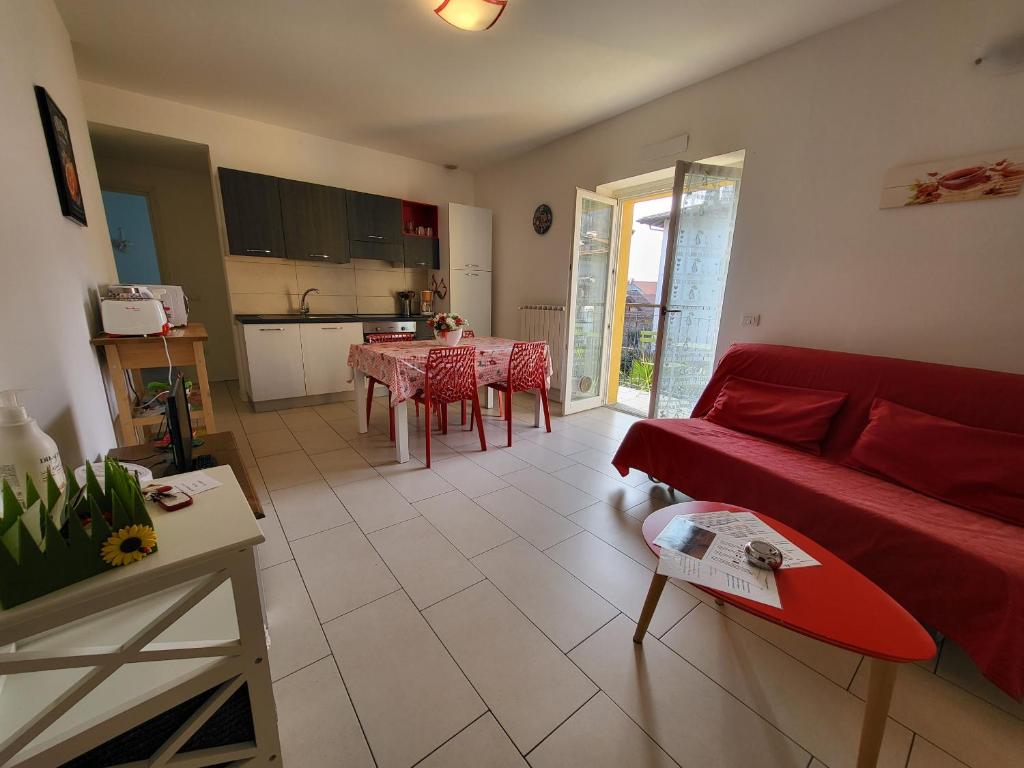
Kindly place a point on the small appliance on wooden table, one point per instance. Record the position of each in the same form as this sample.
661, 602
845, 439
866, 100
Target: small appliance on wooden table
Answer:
133, 353
161, 662
401, 367
832, 603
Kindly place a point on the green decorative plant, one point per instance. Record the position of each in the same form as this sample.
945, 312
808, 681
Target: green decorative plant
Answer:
49, 543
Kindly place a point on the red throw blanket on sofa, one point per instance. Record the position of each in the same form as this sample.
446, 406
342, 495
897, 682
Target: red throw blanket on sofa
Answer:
958, 571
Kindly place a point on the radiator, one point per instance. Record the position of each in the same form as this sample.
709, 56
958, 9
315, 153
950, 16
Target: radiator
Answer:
543, 322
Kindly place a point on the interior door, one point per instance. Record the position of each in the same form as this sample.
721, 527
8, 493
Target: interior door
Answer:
704, 203
590, 303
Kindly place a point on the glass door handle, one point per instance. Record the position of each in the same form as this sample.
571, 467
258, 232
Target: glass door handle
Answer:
666, 310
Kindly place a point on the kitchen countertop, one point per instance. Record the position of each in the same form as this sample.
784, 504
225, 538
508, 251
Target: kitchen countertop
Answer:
324, 318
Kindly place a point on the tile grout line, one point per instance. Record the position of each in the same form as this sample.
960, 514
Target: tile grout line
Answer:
737, 698
456, 735
548, 735
352, 610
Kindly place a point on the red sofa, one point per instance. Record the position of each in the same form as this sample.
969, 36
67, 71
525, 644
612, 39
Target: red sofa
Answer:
958, 571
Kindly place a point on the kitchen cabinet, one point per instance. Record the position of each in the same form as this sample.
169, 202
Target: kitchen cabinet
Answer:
374, 218
274, 359
325, 355
421, 252
252, 213
392, 252
469, 237
315, 220
470, 296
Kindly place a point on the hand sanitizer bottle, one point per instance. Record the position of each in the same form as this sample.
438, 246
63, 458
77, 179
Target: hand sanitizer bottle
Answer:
25, 449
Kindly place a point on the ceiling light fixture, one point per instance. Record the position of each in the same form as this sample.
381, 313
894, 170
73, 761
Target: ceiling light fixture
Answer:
471, 15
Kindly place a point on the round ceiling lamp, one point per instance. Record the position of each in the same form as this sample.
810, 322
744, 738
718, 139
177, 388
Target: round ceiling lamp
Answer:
471, 15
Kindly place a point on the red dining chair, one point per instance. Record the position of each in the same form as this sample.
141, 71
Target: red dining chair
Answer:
466, 334
383, 338
450, 377
527, 370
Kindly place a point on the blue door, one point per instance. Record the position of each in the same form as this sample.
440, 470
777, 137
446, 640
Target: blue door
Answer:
131, 237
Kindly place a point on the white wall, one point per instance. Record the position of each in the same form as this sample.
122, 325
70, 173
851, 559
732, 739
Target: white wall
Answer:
50, 265
821, 122
249, 145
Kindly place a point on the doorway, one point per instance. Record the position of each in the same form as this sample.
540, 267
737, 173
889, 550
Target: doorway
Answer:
640, 271
131, 237
647, 285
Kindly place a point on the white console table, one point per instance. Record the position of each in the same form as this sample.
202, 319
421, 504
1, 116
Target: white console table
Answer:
88, 663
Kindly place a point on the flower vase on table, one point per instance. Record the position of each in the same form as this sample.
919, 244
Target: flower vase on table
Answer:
448, 327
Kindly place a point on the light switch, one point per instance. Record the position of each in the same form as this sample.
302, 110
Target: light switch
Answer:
751, 320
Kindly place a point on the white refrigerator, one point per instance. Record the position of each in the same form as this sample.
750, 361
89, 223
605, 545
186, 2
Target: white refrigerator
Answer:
463, 283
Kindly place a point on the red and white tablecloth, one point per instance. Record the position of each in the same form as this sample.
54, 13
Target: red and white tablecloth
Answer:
401, 365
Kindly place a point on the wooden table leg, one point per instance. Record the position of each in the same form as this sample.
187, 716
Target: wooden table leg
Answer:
876, 711
653, 595
124, 404
359, 381
204, 386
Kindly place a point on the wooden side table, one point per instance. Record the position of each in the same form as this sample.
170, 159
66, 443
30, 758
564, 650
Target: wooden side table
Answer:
133, 353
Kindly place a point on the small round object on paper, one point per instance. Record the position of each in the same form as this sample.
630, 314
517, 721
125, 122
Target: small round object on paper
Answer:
763, 555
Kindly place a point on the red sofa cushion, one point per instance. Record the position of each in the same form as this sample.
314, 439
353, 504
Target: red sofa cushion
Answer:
954, 570
794, 415
987, 399
980, 469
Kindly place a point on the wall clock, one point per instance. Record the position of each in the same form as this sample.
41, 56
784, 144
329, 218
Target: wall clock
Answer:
542, 218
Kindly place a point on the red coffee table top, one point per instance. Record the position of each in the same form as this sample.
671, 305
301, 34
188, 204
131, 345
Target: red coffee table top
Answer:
832, 602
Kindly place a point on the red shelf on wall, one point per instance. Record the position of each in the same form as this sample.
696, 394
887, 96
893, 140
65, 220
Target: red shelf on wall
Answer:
419, 215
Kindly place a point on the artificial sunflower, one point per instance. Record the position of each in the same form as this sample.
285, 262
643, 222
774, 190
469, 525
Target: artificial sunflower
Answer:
129, 545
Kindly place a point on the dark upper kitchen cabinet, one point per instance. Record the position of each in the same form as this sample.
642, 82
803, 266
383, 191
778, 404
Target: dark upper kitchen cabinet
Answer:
374, 218
391, 252
315, 222
422, 252
252, 213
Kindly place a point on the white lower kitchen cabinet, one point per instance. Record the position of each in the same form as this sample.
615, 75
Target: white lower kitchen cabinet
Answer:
289, 360
325, 355
274, 357
469, 294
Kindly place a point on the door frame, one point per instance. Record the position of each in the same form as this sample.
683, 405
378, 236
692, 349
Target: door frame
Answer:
568, 406
668, 274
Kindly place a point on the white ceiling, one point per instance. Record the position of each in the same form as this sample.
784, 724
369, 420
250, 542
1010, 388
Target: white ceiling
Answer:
389, 74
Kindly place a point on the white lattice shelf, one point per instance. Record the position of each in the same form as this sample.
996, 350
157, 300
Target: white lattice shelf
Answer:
101, 657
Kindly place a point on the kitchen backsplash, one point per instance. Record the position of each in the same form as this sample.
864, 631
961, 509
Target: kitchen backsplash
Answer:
272, 286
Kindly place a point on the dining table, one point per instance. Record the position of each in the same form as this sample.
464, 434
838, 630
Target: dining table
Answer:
401, 367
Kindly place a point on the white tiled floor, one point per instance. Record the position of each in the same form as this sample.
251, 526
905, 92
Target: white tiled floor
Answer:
480, 615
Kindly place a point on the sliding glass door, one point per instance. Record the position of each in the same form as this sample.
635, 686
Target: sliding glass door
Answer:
589, 296
699, 240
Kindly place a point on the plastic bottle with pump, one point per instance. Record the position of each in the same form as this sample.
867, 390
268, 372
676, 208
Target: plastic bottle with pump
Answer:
25, 449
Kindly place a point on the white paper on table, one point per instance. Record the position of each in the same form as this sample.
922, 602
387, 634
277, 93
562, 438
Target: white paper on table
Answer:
709, 559
749, 527
191, 482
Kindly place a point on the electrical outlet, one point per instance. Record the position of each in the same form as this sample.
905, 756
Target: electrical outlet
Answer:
751, 320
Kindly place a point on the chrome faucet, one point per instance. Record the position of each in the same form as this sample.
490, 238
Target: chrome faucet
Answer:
304, 306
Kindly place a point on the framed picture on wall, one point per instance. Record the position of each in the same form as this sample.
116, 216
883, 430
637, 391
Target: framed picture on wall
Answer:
62, 157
